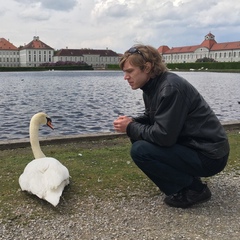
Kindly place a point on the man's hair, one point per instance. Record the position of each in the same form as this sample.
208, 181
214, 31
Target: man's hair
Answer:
143, 54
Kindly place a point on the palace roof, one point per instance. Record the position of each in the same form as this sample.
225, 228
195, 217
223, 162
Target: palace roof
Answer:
208, 43
6, 45
85, 51
226, 46
36, 44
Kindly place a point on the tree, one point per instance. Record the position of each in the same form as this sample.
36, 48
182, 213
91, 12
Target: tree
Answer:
205, 59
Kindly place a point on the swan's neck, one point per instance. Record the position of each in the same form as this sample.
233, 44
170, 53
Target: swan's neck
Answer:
34, 140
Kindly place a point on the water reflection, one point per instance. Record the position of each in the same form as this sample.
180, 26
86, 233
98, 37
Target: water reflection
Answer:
88, 101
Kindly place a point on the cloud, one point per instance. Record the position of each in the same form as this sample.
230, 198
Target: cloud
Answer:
58, 5
62, 5
110, 8
220, 14
34, 12
118, 24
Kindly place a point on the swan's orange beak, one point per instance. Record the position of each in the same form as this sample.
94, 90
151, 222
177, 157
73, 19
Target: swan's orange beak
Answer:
49, 123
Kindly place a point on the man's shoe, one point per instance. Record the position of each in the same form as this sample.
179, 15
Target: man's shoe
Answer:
186, 198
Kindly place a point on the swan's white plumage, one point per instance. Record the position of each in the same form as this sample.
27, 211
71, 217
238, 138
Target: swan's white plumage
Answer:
44, 177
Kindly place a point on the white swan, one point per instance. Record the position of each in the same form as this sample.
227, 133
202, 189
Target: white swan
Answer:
44, 176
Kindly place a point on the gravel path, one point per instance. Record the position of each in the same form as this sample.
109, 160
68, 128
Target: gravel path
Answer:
137, 218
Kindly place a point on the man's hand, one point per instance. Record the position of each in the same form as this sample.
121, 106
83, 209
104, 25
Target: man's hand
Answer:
120, 124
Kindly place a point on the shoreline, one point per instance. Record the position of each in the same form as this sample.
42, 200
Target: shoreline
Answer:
22, 143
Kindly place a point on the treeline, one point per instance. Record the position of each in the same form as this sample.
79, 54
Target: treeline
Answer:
213, 66
60, 65
112, 67
46, 68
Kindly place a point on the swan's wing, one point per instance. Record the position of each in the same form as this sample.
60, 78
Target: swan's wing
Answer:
32, 178
55, 174
53, 195
43, 174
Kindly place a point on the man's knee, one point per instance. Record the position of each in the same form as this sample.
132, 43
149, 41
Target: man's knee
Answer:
138, 149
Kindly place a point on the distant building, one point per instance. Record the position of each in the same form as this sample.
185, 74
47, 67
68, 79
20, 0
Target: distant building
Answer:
209, 48
35, 53
97, 58
9, 54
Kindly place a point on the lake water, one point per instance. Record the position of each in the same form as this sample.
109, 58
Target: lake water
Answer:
81, 102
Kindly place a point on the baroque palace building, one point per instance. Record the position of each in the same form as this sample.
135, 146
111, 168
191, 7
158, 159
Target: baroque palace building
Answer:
209, 48
97, 58
37, 52
9, 54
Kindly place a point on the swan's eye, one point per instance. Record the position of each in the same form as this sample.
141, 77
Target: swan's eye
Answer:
49, 119
49, 122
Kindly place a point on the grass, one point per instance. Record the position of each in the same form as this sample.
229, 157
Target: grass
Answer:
101, 168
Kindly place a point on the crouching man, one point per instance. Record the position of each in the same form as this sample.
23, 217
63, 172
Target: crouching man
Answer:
178, 139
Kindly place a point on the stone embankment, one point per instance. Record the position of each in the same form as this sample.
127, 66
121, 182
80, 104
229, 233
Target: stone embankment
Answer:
12, 144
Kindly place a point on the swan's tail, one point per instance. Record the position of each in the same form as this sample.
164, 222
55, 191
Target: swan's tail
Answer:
53, 195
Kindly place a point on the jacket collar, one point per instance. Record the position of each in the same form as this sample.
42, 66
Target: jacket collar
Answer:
151, 84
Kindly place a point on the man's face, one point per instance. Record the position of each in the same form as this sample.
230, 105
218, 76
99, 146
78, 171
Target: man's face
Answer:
136, 77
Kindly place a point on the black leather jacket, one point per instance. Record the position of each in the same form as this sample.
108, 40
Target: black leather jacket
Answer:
175, 112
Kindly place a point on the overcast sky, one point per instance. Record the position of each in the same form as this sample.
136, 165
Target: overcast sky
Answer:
118, 24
